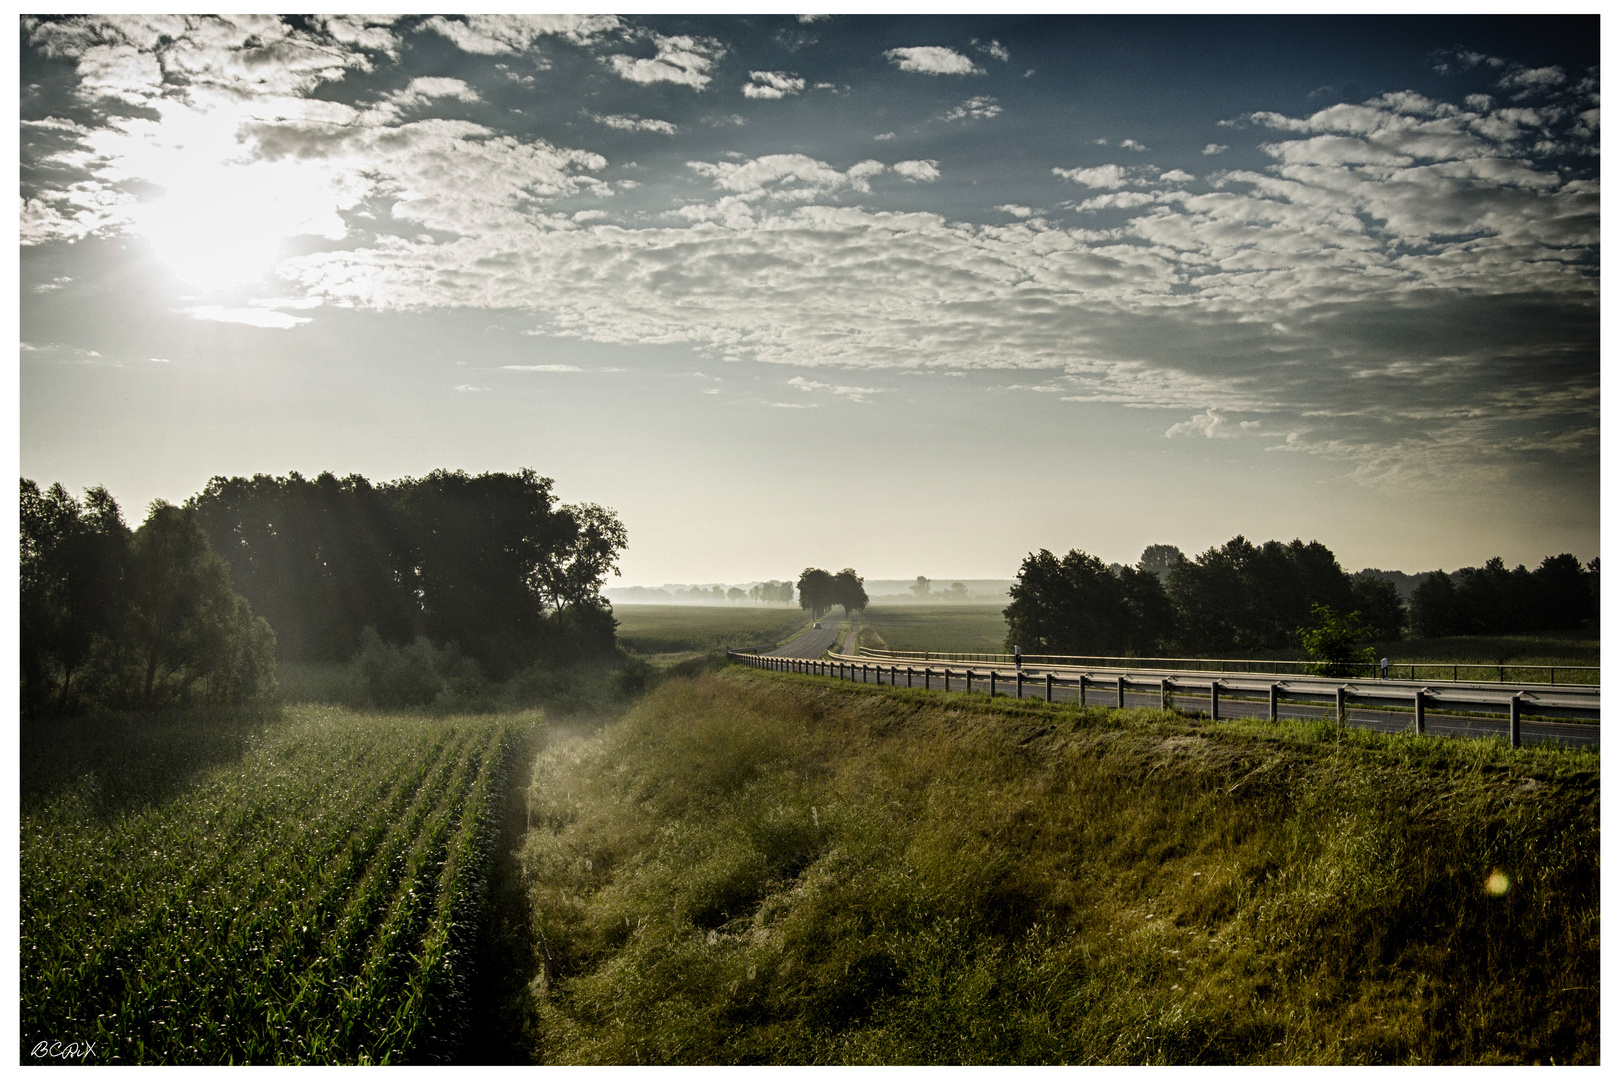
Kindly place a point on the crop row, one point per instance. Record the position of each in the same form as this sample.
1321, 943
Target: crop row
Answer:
310, 903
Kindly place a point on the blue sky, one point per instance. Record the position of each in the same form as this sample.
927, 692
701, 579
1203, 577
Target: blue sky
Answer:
912, 294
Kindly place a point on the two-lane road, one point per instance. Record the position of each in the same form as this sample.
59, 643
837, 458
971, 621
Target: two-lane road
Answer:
812, 643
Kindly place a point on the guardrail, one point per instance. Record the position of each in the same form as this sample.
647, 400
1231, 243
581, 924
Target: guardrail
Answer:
1516, 704
1574, 674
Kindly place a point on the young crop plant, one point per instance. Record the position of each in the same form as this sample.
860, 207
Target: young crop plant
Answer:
311, 902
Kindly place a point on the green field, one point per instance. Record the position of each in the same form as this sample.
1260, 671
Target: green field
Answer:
937, 627
757, 868
651, 629
209, 889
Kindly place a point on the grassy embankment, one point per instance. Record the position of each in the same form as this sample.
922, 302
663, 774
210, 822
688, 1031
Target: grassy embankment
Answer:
669, 629
212, 889
768, 868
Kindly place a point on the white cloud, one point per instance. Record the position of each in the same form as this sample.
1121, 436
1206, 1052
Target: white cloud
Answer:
792, 177
885, 137
464, 388
994, 49
553, 368
1210, 425
854, 393
270, 320
772, 84
926, 171
933, 60
1215, 148
635, 123
496, 34
1102, 176
814, 18
1131, 144
157, 360
792, 405
1015, 210
681, 59
1176, 176
978, 108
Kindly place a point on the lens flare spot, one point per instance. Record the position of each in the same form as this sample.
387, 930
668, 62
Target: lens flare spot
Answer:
1497, 884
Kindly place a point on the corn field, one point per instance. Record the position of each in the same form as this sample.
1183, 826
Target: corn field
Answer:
311, 902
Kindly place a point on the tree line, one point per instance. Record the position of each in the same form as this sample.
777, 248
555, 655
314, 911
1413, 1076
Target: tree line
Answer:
492, 563
117, 618
1242, 597
199, 602
819, 591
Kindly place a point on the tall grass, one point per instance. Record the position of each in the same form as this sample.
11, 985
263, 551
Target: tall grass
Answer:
759, 868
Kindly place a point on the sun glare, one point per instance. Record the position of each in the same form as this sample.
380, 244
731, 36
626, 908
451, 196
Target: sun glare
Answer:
222, 216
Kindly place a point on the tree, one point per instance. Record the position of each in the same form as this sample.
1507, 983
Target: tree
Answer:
1073, 606
957, 593
849, 591
817, 592
1381, 601
922, 588
185, 624
1159, 560
1337, 643
734, 594
71, 595
1434, 606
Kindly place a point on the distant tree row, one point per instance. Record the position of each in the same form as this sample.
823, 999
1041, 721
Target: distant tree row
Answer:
491, 563
1560, 594
1240, 597
114, 618
923, 589
820, 591
772, 592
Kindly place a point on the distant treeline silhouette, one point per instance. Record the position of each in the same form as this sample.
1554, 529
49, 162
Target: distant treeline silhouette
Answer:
491, 563
1240, 597
114, 618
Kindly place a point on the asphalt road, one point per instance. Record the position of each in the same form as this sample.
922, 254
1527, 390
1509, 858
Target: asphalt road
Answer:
1531, 730
811, 643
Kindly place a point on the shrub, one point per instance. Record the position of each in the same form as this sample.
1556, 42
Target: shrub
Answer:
417, 675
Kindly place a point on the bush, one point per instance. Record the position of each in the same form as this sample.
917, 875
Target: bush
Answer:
417, 675
1336, 643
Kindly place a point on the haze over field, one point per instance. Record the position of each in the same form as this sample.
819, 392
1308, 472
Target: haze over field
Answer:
1059, 282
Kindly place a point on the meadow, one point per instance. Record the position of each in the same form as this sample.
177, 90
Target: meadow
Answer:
938, 627
200, 888
765, 868
653, 629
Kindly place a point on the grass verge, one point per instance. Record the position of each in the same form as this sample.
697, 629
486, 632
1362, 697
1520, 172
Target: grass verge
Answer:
760, 868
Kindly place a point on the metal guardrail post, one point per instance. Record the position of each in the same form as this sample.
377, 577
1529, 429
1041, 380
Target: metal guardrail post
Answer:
1048, 686
1418, 701
1018, 684
1120, 691
992, 682
1082, 688
1276, 689
1215, 700
1338, 704
1514, 704
1164, 694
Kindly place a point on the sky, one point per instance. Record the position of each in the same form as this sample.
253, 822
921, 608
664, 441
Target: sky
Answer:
917, 295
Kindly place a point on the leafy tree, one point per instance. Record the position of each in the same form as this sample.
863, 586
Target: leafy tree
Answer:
922, 588
1337, 642
1159, 560
734, 594
1073, 606
817, 592
849, 591
957, 592
71, 596
1434, 606
1381, 601
1150, 619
